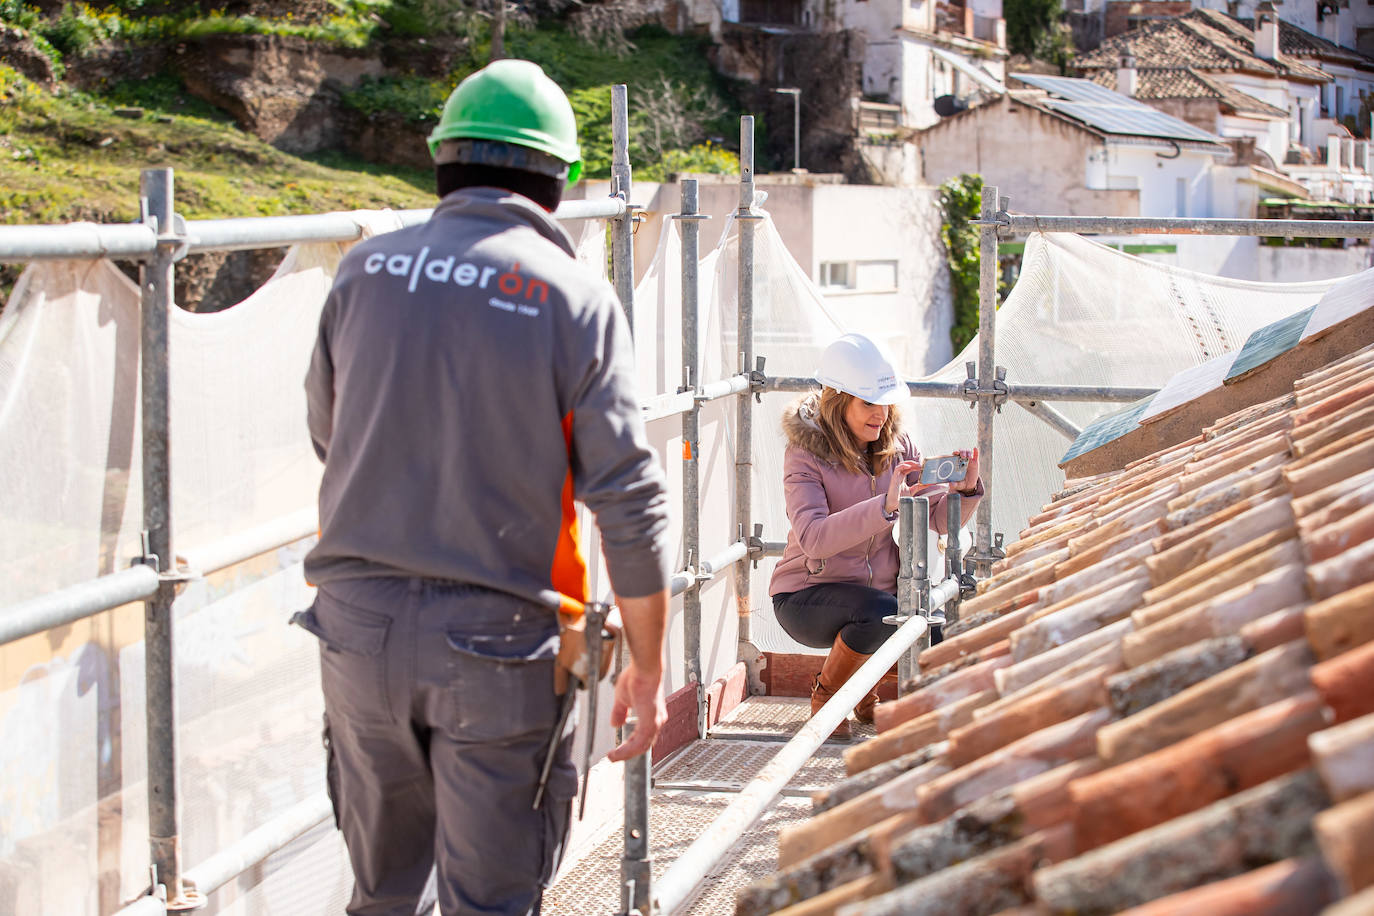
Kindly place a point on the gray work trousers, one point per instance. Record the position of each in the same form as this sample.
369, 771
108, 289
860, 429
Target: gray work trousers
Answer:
439, 705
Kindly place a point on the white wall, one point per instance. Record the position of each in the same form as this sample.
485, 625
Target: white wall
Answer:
1158, 178
1293, 265
875, 18
1351, 81
857, 224
882, 70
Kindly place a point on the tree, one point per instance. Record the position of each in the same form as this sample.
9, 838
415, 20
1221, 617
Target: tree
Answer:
1035, 28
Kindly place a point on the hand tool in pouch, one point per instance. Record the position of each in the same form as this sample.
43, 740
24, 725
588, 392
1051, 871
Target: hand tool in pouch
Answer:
578, 656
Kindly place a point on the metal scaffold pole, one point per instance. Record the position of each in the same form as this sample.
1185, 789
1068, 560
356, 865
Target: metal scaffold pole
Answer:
164, 835
690, 223
622, 227
987, 319
744, 431
635, 864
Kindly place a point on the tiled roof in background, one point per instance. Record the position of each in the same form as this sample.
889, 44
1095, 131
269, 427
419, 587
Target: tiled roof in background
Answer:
1188, 83
1205, 42
1293, 40
1162, 700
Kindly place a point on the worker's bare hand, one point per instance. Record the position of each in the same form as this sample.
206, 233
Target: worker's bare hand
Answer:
898, 487
642, 693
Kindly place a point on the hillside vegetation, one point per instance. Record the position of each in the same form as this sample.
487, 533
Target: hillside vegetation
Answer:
69, 153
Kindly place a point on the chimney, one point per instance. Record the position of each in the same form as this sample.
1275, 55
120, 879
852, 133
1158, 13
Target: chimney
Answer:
1126, 78
1266, 31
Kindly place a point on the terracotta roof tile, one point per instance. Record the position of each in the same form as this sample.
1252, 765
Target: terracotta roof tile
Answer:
1127, 717
963, 683
1155, 681
923, 731
1182, 82
1239, 753
1208, 41
1346, 682
1293, 40
1344, 756
1291, 886
1345, 834
1217, 615
1266, 824
1064, 701
1276, 629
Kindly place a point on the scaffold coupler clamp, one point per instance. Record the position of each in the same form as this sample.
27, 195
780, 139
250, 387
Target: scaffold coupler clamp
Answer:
148, 558
971, 383
999, 386
756, 545
758, 380
174, 236
186, 901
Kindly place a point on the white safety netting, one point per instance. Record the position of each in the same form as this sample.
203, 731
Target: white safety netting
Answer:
1080, 314
72, 732
72, 758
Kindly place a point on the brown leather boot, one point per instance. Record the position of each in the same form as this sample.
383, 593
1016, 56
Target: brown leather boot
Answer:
864, 711
839, 665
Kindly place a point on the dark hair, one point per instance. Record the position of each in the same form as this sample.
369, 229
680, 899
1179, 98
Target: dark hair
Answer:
544, 190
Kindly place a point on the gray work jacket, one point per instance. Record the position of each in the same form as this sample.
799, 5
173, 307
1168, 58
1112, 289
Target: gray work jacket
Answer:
470, 380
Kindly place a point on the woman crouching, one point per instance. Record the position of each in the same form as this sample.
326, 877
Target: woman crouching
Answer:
846, 465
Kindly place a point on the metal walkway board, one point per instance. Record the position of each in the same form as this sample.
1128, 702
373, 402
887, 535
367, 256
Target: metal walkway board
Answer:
724, 765
676, 818
689, 791
778, 719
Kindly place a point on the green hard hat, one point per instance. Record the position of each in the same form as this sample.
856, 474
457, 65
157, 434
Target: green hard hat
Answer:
512, 102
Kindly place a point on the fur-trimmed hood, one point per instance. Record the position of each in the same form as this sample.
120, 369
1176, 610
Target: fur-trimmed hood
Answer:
802, 428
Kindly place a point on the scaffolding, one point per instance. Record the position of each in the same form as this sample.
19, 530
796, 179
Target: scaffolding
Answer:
162, 238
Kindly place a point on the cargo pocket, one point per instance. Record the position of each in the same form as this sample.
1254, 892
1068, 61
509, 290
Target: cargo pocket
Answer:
557, 814
503, 684
352, 663
331, 771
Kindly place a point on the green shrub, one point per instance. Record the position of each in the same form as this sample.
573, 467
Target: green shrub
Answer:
703, 157
961, 201
413, 98
19, 13
164, 92
74, 30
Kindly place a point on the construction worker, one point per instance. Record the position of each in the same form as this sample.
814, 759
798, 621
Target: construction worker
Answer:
470, 381
846, 465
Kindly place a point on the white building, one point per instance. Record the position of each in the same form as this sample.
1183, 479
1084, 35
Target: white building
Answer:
1070, 146
916, 51
1291, 93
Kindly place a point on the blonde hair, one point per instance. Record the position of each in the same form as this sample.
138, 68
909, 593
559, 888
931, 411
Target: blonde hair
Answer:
859, 458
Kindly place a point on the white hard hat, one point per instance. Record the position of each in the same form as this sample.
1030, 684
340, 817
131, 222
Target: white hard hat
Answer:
858, 366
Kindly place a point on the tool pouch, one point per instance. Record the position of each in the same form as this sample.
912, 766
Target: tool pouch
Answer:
572, 649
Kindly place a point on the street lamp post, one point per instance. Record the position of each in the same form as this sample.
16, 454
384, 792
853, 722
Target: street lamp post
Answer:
796, 125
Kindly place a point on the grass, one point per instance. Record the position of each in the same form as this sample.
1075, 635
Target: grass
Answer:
67, 156
668, 79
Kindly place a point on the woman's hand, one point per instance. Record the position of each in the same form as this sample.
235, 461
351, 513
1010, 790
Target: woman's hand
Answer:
898, 486
970, 481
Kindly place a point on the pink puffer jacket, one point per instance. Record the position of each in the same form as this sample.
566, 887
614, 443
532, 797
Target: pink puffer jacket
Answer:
838, 532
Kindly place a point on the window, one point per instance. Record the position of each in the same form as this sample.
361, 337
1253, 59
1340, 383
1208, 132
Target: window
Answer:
859, 276
1181, 197
836, 275
876, 276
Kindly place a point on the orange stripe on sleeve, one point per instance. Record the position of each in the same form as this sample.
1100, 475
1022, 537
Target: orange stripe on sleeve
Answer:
569, 571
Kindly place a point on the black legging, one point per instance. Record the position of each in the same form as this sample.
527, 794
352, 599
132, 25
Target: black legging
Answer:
813, 616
